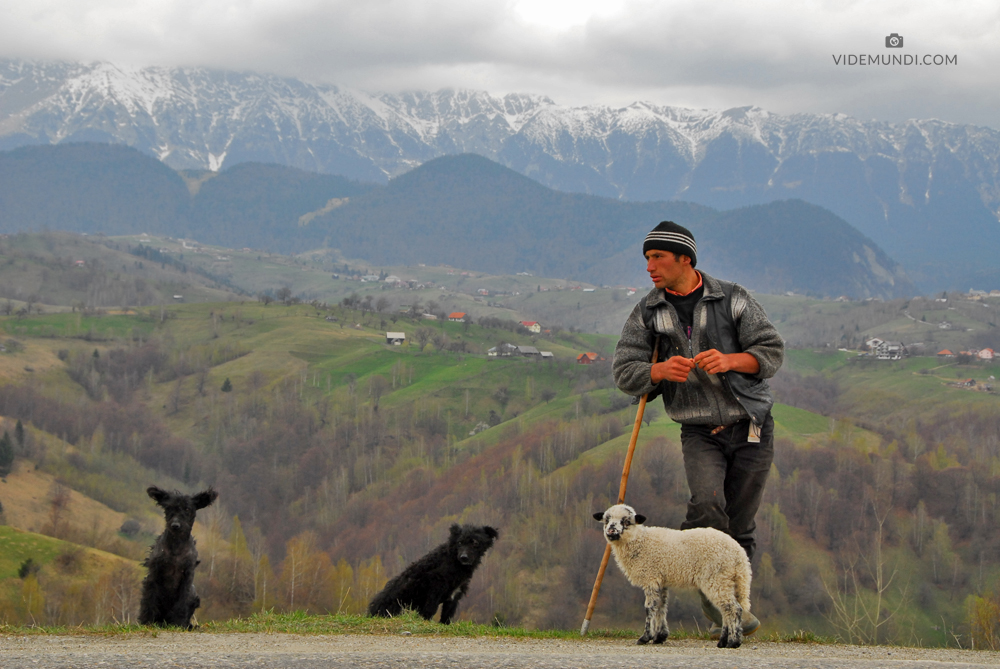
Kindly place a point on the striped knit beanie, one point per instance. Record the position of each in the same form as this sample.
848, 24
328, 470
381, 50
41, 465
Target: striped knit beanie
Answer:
668, 236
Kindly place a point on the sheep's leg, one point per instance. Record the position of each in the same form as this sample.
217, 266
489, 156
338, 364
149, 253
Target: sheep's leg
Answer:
732, 624
653, 605
663, 632
722, 596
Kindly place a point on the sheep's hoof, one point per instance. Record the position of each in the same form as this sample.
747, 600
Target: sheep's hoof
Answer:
643, 640
729, 641
661, 637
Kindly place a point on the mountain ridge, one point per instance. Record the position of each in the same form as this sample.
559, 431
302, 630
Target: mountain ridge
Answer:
901, 184
464, 211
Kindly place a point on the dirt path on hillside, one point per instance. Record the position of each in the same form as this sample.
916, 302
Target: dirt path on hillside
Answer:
195, 651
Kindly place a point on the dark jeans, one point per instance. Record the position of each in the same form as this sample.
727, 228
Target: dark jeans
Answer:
726, 475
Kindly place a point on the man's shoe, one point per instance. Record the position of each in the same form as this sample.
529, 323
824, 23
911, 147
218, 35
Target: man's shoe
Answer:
750, 625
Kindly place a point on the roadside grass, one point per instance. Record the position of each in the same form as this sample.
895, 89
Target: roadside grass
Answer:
407, 624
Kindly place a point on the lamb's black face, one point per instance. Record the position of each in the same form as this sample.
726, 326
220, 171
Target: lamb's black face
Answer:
470, 543
617, 520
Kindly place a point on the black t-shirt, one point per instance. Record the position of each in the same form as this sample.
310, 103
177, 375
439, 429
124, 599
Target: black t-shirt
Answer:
684, 305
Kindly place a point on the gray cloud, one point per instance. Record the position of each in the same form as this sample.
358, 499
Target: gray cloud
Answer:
699, 53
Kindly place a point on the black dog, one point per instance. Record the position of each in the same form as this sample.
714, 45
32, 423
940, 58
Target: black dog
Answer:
440, 577
168, 595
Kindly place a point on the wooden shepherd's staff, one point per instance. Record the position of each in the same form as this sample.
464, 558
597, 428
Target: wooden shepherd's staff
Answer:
621, 499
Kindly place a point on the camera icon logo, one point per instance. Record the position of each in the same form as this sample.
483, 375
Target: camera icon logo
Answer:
894, 41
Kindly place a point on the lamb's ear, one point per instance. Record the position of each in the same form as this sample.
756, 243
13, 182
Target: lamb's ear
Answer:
158, 495
639, 519
204, 498
599, 516
491, 532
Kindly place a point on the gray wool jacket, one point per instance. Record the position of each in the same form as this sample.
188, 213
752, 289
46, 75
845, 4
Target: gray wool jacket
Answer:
727, 318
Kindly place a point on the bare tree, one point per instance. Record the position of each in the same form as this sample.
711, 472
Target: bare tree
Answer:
423, 335
377, 387
175, 396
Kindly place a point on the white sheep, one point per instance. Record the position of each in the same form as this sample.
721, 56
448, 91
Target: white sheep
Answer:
657, 558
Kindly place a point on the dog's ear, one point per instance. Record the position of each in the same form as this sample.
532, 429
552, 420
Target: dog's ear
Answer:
491, 532
639, 519
204, 498
158, 495
599, 516
455, 530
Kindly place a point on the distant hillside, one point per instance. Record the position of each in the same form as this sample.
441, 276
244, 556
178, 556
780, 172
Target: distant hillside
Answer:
263, 206
62, 269
470, 212
116, 190
795, 246
473, 213
464, 211
89, 188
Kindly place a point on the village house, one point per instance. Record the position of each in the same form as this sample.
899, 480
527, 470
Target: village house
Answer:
395, 338
588, 358
527, 351
532, 326
502, 351
945, 353
986, 354
891, 350
456, 316
874, 343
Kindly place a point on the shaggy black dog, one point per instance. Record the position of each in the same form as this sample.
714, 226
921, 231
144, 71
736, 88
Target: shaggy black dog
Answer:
168, 596
440, 577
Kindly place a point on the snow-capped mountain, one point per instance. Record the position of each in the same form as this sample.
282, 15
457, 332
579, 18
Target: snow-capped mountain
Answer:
926, 191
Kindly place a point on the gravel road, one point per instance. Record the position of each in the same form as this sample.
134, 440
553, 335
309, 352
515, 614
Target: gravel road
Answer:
194, 650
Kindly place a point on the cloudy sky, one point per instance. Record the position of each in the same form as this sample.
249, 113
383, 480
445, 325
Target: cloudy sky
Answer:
714, 54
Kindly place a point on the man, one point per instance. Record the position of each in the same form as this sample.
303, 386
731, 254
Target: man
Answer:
716, 348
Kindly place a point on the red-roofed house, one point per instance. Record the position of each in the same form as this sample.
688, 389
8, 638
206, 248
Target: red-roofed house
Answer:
456, 316
986, 354
588, 358
945, 353
532, 326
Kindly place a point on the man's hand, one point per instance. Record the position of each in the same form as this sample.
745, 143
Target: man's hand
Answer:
715, 362
674, 369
